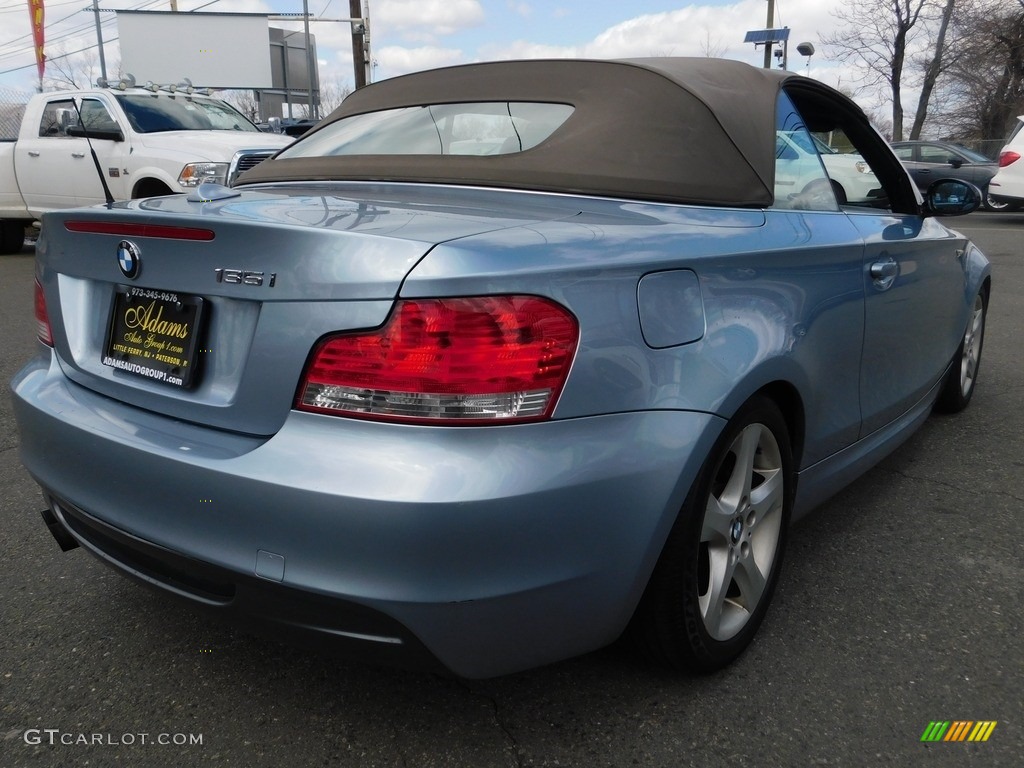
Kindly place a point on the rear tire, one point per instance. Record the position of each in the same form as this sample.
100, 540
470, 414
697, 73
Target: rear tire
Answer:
12, 237
958, 388
714, 580
996, 206
839, 192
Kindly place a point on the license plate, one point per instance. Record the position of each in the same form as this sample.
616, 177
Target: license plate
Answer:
154, 334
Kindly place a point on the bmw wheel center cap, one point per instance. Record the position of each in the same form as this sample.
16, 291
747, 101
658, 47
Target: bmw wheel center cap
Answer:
129, 259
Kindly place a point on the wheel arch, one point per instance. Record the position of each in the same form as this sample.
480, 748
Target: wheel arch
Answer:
785, 384
150, 187
787, 397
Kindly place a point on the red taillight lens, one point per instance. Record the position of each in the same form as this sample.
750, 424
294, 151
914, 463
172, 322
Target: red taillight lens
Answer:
43, 331
471, 360
1008, 157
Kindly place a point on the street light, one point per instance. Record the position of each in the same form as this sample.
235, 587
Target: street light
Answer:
806, 49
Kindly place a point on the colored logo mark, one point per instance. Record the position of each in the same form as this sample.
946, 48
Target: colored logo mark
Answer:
958, 730
129, 258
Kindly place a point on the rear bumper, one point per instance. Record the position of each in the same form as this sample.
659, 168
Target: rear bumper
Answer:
484, 550
1007, 186
325, 623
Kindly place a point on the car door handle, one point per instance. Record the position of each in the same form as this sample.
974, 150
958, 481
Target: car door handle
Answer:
884, 273
33, 153
78, 154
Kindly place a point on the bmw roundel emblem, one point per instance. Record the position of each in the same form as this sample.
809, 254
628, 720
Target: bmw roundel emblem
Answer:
129, 259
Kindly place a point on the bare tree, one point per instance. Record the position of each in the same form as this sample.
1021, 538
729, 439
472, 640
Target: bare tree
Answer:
76, 70
933, 70
876, 36
332, 93
986, 81
244, 101
712, 49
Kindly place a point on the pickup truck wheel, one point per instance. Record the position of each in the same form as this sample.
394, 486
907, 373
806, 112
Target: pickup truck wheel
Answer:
12, 236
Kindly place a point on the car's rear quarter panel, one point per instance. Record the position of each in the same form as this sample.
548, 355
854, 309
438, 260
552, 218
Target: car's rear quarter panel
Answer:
782, 297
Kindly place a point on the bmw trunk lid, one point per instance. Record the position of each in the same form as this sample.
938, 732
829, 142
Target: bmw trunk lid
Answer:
207, 311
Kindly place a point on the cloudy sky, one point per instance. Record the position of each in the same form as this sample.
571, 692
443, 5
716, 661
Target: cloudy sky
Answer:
408, 35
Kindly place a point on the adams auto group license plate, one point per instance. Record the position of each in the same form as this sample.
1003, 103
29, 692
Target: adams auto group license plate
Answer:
154, 334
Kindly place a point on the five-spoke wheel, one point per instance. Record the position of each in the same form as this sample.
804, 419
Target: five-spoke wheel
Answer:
958, 387
715, 578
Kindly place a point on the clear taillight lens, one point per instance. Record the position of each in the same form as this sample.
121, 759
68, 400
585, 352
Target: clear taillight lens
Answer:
1006, 158
466, 360
43, 331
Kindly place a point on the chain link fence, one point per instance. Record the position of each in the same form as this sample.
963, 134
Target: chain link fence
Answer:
988, 147
12, 108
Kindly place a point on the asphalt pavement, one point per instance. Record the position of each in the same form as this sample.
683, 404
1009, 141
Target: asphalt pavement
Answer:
899, 605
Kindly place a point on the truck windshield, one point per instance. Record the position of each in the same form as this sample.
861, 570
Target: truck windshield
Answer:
161, 112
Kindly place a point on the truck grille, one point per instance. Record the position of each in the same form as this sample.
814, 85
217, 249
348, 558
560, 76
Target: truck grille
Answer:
244, 160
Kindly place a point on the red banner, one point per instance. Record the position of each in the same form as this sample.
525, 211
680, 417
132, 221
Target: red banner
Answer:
35, 10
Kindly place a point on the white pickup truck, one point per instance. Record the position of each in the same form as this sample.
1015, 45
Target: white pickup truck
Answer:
148, 142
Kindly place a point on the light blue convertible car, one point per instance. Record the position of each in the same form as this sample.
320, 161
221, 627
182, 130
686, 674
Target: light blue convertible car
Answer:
500, 362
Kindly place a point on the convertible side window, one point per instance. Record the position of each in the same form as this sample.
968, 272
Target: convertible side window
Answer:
865, 174
801, 182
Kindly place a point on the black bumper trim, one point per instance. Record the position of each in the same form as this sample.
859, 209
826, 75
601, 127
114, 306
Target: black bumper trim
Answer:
279, 612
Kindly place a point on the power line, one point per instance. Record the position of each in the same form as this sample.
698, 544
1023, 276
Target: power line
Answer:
67, 34
61, 56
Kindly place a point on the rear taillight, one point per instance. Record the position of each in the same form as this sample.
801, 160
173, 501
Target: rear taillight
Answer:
466, 360
43, 331
1008, 157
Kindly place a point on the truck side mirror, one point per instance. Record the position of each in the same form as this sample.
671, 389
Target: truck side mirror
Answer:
65, 119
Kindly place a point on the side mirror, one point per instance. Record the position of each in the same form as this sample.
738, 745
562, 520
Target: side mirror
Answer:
65, 119
951, 197
956, 162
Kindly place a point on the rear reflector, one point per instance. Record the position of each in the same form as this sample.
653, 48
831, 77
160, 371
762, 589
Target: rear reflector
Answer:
43, 331
467, 360
130, 229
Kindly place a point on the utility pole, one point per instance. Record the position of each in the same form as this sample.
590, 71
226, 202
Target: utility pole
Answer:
769, 25
310, 64
359, 63
99, 38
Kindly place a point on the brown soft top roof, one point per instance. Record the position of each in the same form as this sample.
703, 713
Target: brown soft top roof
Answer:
687, 130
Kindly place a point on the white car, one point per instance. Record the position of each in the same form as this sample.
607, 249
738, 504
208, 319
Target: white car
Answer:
851, 177
1007, 186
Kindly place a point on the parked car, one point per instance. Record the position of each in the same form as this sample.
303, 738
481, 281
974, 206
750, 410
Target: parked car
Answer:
481, 405
797, 166
148, 141
928, 161
1007, 186
289, 126
852, 179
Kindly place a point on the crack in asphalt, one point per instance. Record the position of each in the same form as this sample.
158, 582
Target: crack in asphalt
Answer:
498, 721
